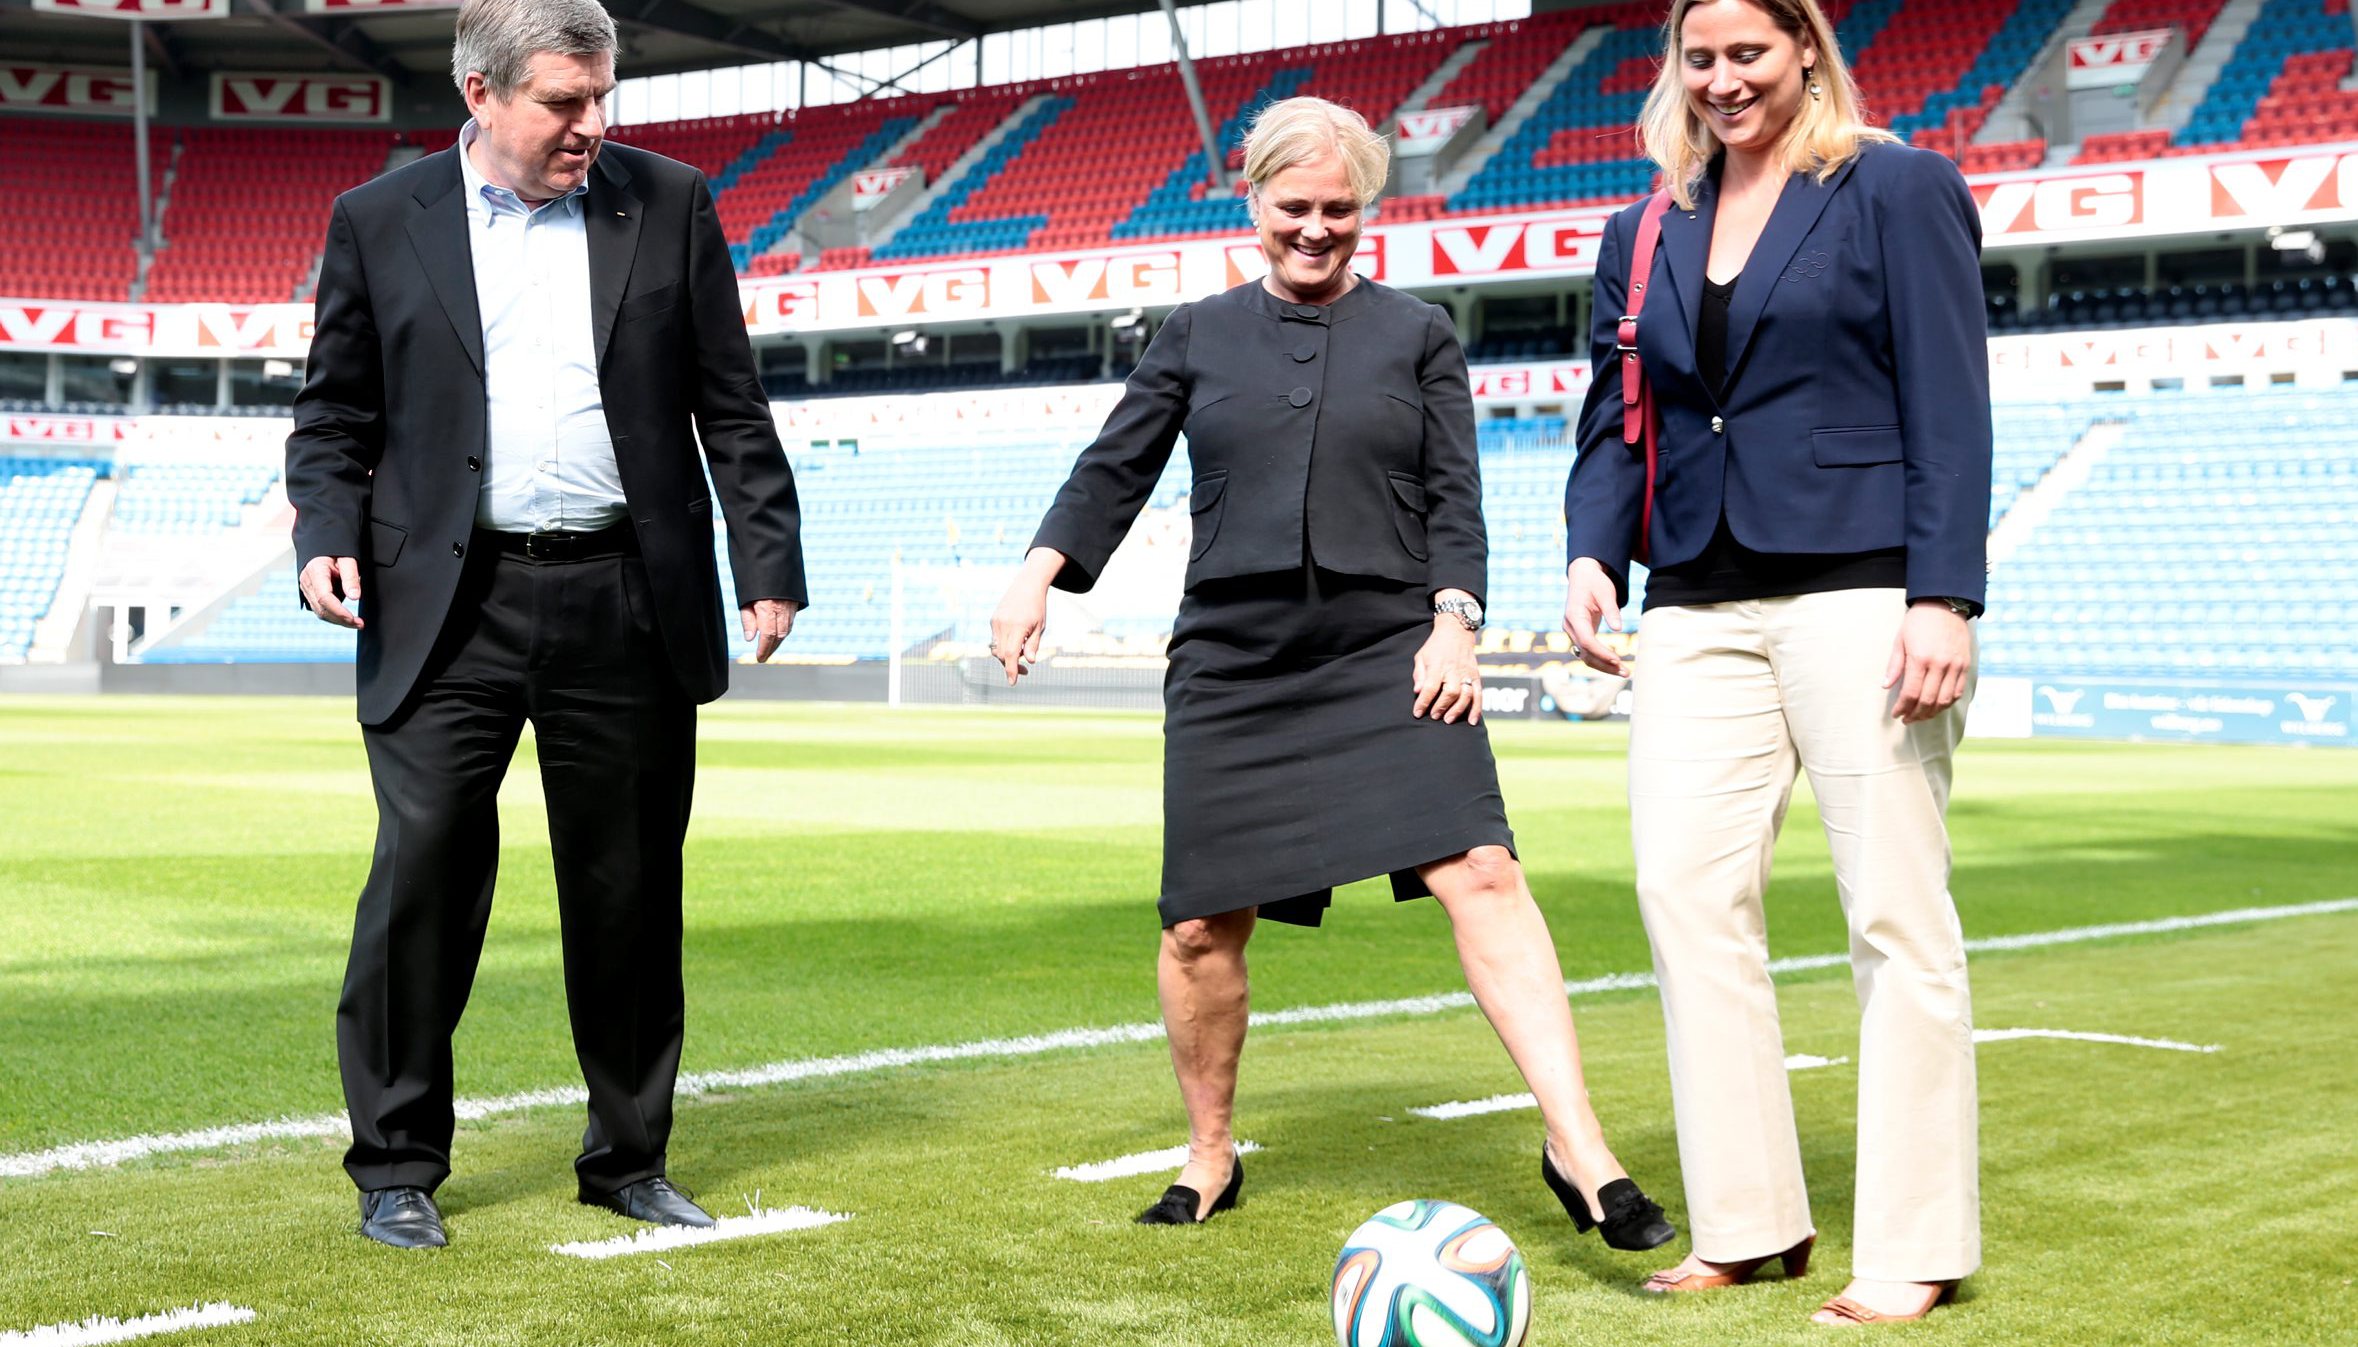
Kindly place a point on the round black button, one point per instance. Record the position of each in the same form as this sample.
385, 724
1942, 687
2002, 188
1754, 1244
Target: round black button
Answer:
1306, 311
1306, 353
1300, 397
474, 464
458, 549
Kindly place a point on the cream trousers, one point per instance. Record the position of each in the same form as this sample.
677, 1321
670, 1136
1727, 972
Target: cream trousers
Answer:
1730, 698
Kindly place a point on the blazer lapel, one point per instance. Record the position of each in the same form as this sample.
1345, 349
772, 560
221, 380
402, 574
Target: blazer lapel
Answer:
1686, 244
613, 224
438, 231
1798, 208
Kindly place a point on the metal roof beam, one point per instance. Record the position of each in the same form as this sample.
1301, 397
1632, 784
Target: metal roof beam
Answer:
340, 38
917, 14
682, 19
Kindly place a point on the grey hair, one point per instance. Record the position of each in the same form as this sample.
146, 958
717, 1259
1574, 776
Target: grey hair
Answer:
1293, 130
497, 39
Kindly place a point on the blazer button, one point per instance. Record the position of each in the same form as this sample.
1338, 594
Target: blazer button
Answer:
458, 549
1306, 353
1718, 425
1306, 311
474, 464
1300, 397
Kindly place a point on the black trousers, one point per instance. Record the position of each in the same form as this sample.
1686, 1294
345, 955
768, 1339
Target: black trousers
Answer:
572, 647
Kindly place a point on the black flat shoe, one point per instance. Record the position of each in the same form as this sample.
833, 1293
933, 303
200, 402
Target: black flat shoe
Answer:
652, 1200
1179, 1202
405, 1218
1632, 1220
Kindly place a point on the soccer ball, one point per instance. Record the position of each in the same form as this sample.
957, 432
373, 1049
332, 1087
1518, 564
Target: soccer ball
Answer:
1430, 1274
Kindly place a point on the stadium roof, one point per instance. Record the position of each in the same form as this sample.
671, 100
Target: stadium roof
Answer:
413, 46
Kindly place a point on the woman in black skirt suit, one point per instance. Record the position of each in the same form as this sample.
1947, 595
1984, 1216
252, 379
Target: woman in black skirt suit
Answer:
1323, 707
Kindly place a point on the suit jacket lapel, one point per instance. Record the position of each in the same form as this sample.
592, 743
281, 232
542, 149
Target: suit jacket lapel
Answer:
613, 224
1686, 244
438, 230
1798, 208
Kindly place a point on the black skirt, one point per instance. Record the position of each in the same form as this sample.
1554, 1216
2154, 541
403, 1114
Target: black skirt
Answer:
1292, 760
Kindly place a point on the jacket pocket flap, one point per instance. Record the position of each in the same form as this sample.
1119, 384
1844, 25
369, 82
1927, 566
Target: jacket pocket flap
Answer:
1206, 492
384, 542
1410, 491
1855, 446
654, 301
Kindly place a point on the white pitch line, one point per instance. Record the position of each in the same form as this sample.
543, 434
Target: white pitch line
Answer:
1474, 1108
95, 1154
98, 1328
1130, 1166
2125, 1040
666, 1237
1508, 1103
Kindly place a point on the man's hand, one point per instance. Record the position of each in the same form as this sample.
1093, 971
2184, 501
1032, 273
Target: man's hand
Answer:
1929, 661
328, 583
767, 621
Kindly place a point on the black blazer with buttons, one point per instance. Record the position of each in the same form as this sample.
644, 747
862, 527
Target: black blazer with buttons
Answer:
385, 460
1341, 436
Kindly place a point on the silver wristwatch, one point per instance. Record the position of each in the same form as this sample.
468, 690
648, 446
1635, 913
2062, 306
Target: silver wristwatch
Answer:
1467, 611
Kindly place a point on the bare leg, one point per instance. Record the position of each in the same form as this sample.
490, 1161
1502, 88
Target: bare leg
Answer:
1201, 977
1511, 968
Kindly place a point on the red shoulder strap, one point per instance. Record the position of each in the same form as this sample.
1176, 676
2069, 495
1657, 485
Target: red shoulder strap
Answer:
1638, 419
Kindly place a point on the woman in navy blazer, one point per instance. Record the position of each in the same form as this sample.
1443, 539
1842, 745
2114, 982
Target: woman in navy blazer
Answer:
1813, 335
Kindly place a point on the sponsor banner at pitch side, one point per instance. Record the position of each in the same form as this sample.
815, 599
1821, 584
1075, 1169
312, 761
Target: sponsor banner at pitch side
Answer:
2242, 713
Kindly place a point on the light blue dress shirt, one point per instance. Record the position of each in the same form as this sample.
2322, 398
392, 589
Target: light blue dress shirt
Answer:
550, 464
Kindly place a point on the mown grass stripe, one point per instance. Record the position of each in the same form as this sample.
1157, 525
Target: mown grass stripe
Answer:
99, 1154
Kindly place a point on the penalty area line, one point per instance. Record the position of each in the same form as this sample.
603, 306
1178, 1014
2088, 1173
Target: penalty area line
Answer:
99, 1328
99, 1154
661, 1239
1130, 1166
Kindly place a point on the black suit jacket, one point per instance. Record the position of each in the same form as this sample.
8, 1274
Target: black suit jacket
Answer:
1341, 435
385, 462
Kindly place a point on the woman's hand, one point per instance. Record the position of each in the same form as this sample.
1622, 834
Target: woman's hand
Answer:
1448, 681
1023, 613
1589, 606
1929, 661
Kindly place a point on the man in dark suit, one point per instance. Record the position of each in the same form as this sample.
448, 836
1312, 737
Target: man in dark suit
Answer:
520, 344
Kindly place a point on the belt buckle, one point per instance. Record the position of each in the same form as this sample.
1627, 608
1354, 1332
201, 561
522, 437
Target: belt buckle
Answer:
546, 546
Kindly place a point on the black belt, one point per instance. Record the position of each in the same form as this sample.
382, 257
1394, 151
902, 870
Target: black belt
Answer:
620, 540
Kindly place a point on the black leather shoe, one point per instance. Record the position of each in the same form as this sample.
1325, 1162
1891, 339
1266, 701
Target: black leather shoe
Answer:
1632, 1220
1179, 1202
405, 1218
653, 1200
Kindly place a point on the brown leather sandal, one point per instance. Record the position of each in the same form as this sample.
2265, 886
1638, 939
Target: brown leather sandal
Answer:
1848, 1311
1672, 1281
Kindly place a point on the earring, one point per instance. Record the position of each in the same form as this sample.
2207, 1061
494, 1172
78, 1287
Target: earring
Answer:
1816, 90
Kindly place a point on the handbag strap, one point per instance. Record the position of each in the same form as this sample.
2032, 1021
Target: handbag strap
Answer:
1639, 422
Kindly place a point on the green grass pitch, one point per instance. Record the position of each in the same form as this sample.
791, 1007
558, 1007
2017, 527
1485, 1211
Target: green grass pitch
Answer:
176, 884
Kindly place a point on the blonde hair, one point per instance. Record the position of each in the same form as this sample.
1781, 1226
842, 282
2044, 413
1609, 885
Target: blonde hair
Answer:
1295, 130
1824, 134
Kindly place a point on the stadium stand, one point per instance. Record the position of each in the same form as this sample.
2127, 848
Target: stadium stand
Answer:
1113, 157
2327, 295
2278, 86
270, 626
73, 210
249, 208
2249, 497
40, 501
188, 498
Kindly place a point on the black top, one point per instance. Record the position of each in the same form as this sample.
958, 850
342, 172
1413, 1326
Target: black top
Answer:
1340, 436
1727, 571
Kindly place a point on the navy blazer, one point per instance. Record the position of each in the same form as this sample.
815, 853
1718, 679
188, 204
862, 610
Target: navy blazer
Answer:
1857, 411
